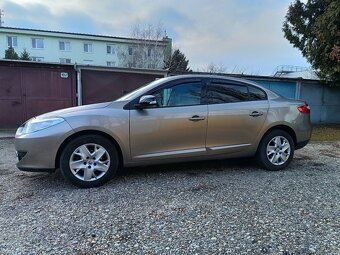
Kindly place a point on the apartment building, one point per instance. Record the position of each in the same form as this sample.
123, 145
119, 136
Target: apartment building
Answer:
86, 49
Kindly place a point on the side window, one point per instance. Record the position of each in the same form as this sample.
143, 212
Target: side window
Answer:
179, 95
220, 93
256, 94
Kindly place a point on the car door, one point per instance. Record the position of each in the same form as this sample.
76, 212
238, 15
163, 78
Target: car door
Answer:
236, 114
175, 127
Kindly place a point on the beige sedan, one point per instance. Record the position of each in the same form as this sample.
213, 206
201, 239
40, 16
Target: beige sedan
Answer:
179, 118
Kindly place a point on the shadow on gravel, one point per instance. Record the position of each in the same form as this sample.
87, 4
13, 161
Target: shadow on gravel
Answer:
39, 181
55, 180
196, 168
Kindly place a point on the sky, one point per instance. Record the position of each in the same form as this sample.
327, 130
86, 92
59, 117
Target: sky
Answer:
238, 35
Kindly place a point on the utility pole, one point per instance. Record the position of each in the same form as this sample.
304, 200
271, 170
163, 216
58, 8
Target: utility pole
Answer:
1, 14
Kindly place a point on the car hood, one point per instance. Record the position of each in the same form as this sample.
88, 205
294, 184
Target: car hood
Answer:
66, 111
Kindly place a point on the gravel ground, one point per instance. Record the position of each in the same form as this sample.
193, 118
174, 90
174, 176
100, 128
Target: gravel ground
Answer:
215, 207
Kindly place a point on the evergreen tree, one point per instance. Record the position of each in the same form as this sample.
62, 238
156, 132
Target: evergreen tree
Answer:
25, 55
177, 63
11, 54
314, 28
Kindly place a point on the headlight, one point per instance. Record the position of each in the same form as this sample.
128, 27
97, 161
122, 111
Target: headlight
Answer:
34, 125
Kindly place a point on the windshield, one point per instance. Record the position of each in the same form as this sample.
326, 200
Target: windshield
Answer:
140, 91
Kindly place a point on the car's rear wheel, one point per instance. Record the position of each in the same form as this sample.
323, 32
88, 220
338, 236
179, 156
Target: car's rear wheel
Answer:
89, 161
276, 150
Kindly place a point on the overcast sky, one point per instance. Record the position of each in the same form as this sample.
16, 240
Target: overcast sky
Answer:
243, 35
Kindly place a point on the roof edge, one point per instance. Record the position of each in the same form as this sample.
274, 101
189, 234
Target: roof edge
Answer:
164, 40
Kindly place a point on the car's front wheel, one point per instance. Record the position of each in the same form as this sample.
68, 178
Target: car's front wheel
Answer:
276, 150
89, 161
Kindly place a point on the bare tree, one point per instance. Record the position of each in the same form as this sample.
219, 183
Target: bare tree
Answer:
213, 68
220, 68
149, 49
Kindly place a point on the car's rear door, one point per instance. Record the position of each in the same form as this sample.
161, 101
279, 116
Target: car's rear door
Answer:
236, 114
175, 128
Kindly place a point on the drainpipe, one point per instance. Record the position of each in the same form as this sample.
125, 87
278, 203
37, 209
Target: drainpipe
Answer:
79, 86
298, 89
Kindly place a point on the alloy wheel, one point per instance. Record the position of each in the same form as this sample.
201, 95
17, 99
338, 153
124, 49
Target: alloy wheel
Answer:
89, 162
278, 150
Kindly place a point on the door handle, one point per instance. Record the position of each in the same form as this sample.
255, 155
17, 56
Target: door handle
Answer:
196, 118
256, 114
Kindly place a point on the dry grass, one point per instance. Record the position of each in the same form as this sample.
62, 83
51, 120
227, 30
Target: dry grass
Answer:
327, 132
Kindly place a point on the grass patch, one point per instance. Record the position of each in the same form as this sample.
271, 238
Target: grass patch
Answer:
327, 132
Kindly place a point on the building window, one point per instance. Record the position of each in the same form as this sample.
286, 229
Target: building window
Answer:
110, 49
87, 61
149, 52
12, 41
151, 66
111, 63
64, 46
65, 61
130, 51
37, 59
88, 47
37, 43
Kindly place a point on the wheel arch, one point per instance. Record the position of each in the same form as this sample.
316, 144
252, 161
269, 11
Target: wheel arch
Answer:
88, 132
285, 128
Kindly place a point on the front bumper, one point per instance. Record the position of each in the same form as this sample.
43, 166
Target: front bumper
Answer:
37, 151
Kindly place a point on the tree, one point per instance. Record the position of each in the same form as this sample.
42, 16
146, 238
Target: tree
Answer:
11, 54
314, 28
25, 55
148, 50
214, 68
177, 63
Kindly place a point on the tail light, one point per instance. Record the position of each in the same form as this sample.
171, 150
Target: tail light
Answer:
304, 108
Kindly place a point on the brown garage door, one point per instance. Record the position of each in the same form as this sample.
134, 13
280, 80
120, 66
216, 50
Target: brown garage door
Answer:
103, 86
11, 100
27, 91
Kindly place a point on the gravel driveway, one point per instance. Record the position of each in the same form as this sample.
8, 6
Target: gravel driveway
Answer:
216, 207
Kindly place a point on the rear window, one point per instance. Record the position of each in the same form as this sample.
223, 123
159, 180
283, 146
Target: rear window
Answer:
256, 94
220, 93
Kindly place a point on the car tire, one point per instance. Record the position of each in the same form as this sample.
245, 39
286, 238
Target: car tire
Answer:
89, 161
276, 150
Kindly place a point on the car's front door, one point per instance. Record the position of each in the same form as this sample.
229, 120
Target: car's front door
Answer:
236, 114
175, 127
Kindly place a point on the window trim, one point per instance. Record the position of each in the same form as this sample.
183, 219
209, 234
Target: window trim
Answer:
88, 61
88, 43
65, 61
65, 45
12, 36
110, 65
130, 50
34, 59
170, 84
36, 44
259, 88
234, 83
112, 46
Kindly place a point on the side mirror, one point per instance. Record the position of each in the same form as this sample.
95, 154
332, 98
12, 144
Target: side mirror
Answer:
145, 101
